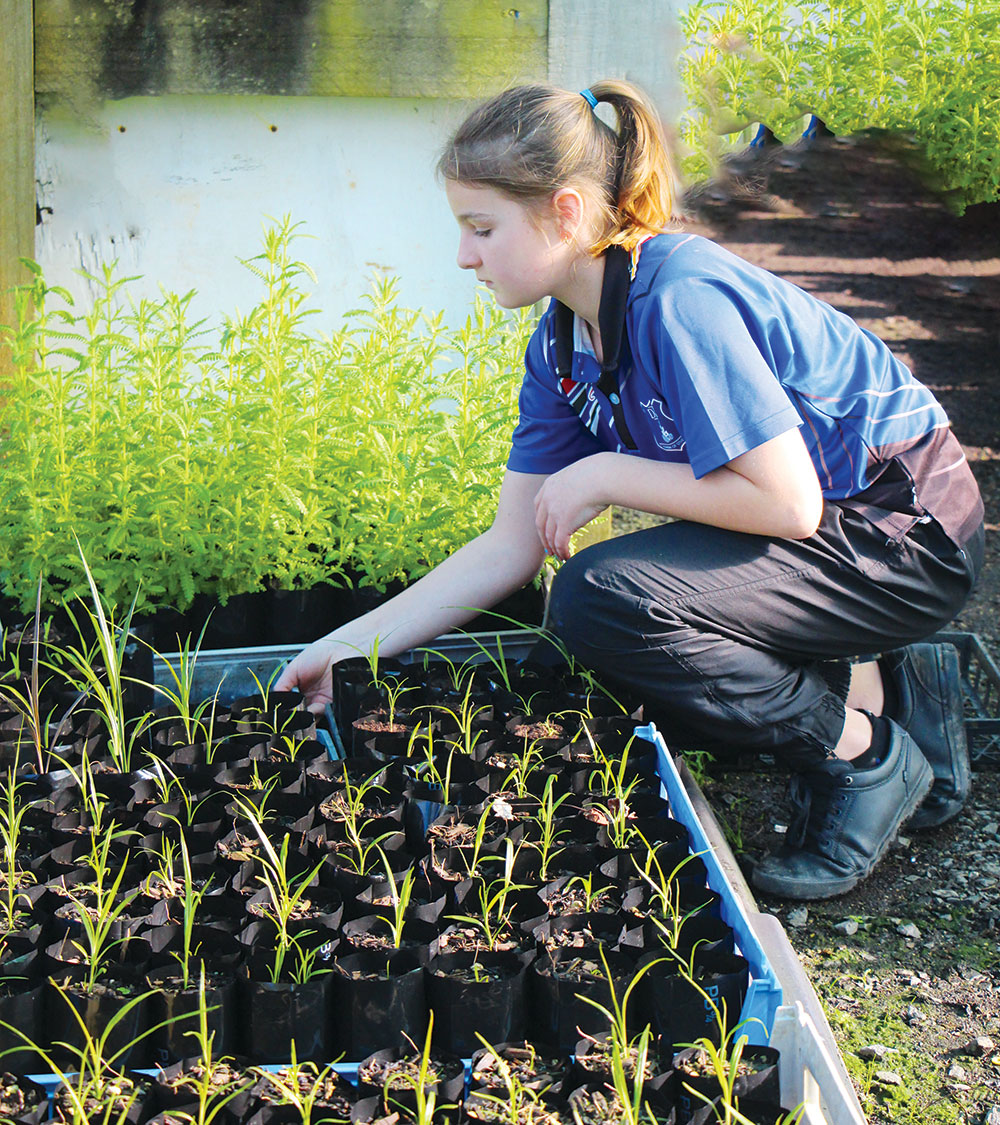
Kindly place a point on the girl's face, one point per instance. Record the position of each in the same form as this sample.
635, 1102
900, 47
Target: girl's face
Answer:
518, 254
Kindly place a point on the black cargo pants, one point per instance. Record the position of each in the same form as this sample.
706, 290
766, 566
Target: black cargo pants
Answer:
728, 636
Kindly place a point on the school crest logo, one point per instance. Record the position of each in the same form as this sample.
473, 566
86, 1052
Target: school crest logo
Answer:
665, 438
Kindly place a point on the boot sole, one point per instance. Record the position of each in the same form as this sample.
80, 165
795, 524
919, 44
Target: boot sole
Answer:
800, 890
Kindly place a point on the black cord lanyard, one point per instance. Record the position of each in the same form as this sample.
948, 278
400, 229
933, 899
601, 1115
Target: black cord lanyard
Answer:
611, 322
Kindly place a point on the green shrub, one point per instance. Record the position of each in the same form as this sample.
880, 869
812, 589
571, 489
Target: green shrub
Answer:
190, 460
927, 69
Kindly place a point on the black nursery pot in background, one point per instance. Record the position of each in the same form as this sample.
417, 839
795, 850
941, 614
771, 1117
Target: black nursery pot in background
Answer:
276, 1015
476, 994
757, 1078
376, 1001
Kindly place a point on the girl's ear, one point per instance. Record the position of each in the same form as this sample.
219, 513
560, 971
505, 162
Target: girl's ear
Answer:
568, 207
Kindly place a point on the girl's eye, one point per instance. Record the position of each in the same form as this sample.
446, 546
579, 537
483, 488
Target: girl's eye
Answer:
483, 232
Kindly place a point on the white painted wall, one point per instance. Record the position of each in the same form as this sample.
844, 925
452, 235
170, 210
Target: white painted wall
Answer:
186, 188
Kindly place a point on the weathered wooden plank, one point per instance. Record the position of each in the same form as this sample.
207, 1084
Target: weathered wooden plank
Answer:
88, 50
17, 150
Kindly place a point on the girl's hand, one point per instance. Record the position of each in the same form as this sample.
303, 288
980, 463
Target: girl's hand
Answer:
311, 673
567, 501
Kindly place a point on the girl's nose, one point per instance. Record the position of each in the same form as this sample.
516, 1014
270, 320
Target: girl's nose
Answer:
468, 259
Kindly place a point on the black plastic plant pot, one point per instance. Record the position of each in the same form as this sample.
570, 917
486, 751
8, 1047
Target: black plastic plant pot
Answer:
240, 623
597, 1104
71, 1008
22, 1101
707, 934
352, 686
536, 1066
757, 1078
176, 1086
488, 1107
621, 932
376, 1001
392, 1075
176, 1010
681, 1012
22, 1006
278, 1015
373, 934
593, 1064
428, 901
131, 1103
297, 616
557, 983
333, 1098
476, 994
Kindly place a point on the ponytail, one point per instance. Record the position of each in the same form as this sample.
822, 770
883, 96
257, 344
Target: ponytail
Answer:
529, 141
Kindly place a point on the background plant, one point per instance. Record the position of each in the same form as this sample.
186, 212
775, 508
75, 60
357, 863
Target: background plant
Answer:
925, 70
191, 460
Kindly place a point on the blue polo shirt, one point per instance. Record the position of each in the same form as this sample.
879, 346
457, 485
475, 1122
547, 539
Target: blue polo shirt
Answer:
722, 356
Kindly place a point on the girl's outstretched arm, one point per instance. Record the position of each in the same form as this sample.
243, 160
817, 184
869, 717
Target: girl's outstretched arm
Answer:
771, 490
480, 574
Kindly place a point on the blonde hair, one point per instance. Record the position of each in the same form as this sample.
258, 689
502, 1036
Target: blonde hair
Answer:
529, 141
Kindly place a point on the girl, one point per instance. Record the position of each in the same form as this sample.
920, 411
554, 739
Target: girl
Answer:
822, 508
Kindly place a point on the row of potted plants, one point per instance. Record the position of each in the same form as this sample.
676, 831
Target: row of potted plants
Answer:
505, 868
191, 462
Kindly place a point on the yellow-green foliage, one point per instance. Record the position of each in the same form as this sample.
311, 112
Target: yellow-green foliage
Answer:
185, 460
929, 68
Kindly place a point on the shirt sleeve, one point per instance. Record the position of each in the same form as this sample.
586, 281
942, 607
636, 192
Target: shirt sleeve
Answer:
718, 364
549, 434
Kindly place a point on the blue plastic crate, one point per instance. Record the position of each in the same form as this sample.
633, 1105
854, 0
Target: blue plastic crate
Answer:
764, 994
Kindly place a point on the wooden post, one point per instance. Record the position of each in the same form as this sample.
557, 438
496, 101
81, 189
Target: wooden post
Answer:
17, 151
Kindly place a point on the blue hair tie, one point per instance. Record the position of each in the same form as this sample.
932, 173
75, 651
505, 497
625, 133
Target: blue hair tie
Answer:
589, 98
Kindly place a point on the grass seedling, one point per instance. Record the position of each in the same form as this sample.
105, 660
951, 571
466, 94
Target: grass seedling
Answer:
465, 716
99, 903
530, 759
210, 1095
12, 813
629, 1054
302, 1085
493, 918
426, 1099
93, 1088
171, 788
286, 893
610, 779
723, 1057
350, 807
191, 898
189, 714
666, 911
549, 833
28, 702
98, 671
400, 894
618, 815
516, 1105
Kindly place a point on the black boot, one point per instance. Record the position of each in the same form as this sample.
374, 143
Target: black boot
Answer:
846, 819
924, 696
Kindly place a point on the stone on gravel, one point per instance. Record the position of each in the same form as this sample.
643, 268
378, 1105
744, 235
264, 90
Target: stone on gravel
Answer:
888, 1078
798, 917
873, 1051
981, 1045
909, 930
992, 1116
956, 1071
848, 927
913, 1014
